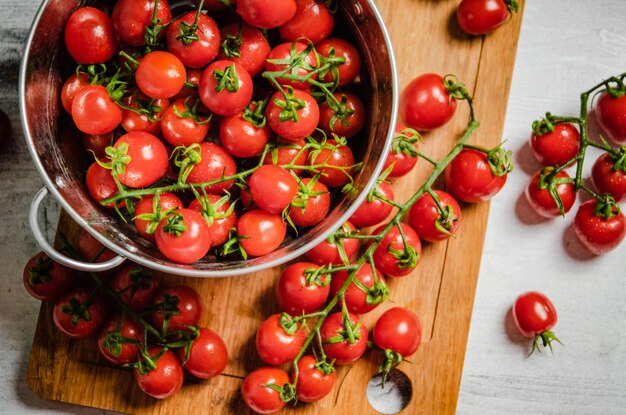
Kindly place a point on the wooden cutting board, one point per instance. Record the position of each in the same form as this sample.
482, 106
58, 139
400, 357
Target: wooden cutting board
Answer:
426, 38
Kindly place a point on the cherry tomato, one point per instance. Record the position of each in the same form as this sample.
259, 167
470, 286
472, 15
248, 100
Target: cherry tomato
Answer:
183, 236
535, 315
392, 257
47, 280
70, 87
147, 227
356, 298
274, 345
135, 286
336, 163
197, 49
113, 340
100, 184
373, 210
246, 46
479, 17
308, 116
148, 159
258, 395
425, 103
558, 147
131, 17
287, 52
160, 75
241, 137
429, 223
89, 36
597, 233
398, 329
343, 351
94, 112
215, 162
272, 188
542, 201
607, 178
215, 209
266, 15
403, 160
340, 48
327, 252
313, 384
611, 115
181, 304
295, 296
207, 356
185, 122
311, 206
470, 177
312, 21
96, 144
352, 109
79, 313
225, 88
146, 116
191, 85
288, 152
91, 250
262, 232
163, 381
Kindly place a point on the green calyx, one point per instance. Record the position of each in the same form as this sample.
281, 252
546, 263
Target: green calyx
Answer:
77, 310
391, 361
175, 224
226, 79
547, 337
548, 179
512, 6
40, 272
606, 207
500, 161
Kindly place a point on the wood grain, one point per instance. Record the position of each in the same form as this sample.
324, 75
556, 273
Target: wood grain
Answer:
426, 39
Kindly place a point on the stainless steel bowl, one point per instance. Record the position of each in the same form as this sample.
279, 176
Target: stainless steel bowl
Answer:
58, 158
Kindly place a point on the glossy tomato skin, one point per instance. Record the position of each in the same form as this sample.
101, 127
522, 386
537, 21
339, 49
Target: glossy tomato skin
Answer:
185, 130
212, 209
86, 321
312, 21
132, 121
191, 85
131, 17
374, 212
110, 340
398, 329
167, 201
424, 214
312, 384
283, 52
47, 280
224, 102
201, 51
288, 152
542, 202
274, 345
135, 285
89, 36
606, 179
290, 130
264, 14
100, 184
347, 71
191, 245
71, 85
261, 398
208, 355
316, 207
165, 380
425, 104
534, 314
338, 162
273, 188
557, 147
356, 298
94, 112
343, 352
356, 120
97, 143
385, 262
263, 232
479, 17
597, 234
295, 296
148, 159
242, 138
402, 163
328, 253
611, 115
215, 162
160, 75
252, 51
469, 177
189, 306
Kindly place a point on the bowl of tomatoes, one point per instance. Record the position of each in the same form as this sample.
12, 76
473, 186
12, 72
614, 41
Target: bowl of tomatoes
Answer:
208, 139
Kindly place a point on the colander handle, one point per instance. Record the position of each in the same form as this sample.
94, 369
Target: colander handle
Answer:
56, 255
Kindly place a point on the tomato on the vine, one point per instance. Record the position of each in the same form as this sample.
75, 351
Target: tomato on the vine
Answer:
541, 200
70, 87
299, 125
350, 110
183, 236
311, 205
403, 155
243, 138
118, 340
346, 72
600, 228
327, 252
93, 110
432, 224
609, 176
215, 163
225, 88
219, 215
611, 115
272, 188
100, 183
177, 306
45, 279
257, 393
132, 17
261, 232
367, 295
399, 330
160, 75
185, 122
374, 211
336, 342
479, 17
426, 104
313, 382
557, 147
395, 256
274, 344
288, 152
89, 36
147, 219
245, 45
473, 176
264, 14
195, 48
208, 355
535, 315
285, 52
312, 21
335, 162
135, 286
295, 295
145, 159
165, 379
79, 313
145, 115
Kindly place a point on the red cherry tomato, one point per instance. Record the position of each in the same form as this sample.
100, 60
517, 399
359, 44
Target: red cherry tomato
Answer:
312, 21
295, 296
352, 109
146, 116
273, 188
274, 345
183, 236
262, 232
340, 48
327, 252
479, 17
70, 87
185, 122
135, 286
425, 104
79, 313
429, 223
264, 14
215, 209
312, 206
246, 46
312, 384
597, 233
470, 177
307, 111
241, 137
215, 162
96, 144
402, 159
373, 210
131, 17
148, 159
607, 178
89, 36
94, 112
207, 356
225, 88
356, 298
392, 257
611, 115
286, 52
163, 381
197, 49
47, 280
398, 329
288, 152
180, 305
258, 395
557, 147
100, 183
542, 201
191, 85
343, 351
147, 227
335, 162
113, 340
160, 75
535, 315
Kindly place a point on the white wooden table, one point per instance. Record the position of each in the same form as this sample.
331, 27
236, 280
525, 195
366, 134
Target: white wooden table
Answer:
565, 47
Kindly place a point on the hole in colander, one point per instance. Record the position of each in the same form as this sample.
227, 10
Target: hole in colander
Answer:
394, 397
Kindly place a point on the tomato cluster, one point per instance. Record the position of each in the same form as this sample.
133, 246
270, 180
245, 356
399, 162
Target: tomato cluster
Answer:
217, 130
